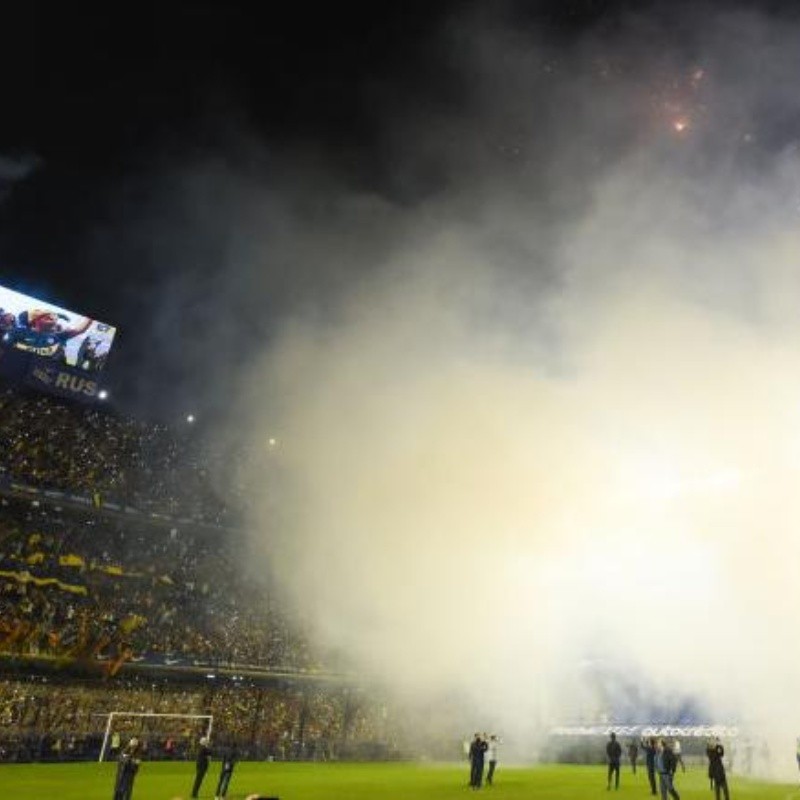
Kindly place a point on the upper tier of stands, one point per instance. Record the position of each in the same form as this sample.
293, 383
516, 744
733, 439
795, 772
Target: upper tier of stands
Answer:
54, 444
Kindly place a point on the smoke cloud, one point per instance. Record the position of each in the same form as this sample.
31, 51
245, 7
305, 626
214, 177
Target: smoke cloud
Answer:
546, 412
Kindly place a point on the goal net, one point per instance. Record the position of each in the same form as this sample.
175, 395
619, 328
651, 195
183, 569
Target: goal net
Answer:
162, 735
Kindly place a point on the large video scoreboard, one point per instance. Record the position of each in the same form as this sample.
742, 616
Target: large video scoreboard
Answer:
52, 348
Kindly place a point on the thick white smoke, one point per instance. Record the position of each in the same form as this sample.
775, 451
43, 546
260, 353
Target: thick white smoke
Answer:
537, 433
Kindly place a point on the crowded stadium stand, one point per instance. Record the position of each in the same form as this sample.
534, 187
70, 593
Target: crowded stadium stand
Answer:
88, 451
122, 589
57, 718
82, 584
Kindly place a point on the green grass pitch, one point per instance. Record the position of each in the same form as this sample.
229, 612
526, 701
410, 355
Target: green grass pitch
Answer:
160, 781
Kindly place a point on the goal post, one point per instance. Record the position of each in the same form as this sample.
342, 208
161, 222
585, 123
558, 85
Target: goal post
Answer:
126, 714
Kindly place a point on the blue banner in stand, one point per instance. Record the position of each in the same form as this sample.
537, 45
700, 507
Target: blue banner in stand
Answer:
63, 381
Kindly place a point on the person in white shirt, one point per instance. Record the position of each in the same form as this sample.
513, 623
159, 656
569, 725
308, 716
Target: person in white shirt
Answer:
676, 751
491, 754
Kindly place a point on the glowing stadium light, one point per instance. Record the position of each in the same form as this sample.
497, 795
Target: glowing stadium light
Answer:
102, 394
190, 418
680, 125
272, 441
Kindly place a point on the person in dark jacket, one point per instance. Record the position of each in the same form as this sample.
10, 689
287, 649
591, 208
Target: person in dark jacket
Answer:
716, 769
226, 772
201, 765
613, 755
127, 767
649, 747
476, 756
665, 766
710, 756
633, 754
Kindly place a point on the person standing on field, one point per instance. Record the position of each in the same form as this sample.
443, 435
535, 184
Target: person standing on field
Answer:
127, 767
226, 772
633, 754
491, 754
201, 765
665, 766
649, 747
477, 751
717, 770
710, 757
676, 750
613, 754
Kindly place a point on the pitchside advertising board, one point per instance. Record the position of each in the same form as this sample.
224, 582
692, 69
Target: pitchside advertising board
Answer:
51, 348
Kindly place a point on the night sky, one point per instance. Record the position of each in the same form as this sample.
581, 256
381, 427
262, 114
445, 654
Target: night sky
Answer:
107, 111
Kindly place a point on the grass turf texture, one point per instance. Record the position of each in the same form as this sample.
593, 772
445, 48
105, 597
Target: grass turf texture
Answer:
160, 781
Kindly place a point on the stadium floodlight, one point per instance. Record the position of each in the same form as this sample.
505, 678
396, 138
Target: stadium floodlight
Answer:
272, 441
190, 418
103, 394
122, 714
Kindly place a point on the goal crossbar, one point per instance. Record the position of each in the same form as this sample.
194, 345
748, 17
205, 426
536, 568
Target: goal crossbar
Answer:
113, 714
